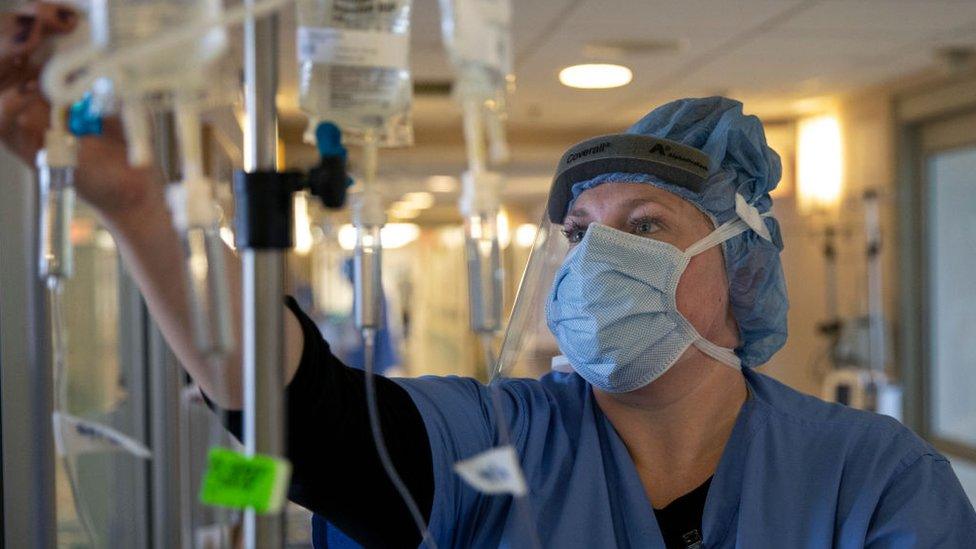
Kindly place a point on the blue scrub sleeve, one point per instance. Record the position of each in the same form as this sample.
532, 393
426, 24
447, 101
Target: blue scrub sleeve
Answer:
923, 506
461, 423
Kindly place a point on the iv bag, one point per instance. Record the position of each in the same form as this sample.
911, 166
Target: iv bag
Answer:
353, 63
478, 38
117, 24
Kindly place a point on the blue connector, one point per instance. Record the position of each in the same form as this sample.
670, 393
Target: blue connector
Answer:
329, 180
328, 139
83, 118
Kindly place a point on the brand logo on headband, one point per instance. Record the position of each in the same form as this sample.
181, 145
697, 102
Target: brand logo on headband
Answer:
666, 151
596, 149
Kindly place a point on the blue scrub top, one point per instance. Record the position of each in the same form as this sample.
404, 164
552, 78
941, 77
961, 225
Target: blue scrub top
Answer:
796, 472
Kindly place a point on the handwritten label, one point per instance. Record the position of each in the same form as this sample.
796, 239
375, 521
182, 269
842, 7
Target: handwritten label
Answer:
238, 481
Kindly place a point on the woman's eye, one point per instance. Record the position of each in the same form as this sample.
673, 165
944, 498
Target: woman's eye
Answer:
645, 226
575, 235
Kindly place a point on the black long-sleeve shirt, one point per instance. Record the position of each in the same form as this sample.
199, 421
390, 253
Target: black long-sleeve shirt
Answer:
337, 473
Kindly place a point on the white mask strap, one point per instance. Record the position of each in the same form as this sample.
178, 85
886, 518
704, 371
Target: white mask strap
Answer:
750, 214
722, 354
730, 229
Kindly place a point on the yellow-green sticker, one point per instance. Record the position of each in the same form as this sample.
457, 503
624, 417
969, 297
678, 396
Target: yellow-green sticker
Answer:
238, 481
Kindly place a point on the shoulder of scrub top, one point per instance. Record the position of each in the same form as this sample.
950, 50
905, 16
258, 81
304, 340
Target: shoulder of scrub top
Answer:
846, 432
555, 399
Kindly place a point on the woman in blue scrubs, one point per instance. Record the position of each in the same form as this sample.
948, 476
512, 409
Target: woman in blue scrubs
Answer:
661, 433
664, 434
657, 433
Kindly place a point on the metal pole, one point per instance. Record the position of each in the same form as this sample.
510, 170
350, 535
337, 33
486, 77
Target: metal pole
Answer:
28, 507
876, 321
171, 505
263, 279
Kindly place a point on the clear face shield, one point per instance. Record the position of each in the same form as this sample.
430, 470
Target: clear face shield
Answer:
529, 349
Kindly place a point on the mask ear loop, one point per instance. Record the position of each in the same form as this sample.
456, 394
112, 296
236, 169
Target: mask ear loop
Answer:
722, 354
727, 230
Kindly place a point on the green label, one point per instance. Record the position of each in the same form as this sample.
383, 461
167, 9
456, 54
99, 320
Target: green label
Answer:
238, 481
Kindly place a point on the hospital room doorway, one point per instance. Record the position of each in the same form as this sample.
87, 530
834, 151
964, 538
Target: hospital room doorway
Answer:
947, 215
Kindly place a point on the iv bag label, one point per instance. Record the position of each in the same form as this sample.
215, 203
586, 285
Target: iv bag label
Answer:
495, 471
238, 481
352, 48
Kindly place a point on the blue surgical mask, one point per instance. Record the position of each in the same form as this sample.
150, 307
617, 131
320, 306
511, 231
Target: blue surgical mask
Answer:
613, 312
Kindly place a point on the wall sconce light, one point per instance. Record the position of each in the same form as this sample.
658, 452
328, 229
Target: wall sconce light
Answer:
819, 165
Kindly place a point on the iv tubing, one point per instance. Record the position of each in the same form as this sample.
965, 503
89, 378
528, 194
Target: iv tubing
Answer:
188, 128
370, 160
474, 135
522, 504
198, 204
369, 343
59, 359
370, 214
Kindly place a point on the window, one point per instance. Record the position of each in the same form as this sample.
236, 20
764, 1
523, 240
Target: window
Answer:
951, 294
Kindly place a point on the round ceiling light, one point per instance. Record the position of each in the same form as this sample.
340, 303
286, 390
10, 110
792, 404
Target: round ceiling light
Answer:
595, 76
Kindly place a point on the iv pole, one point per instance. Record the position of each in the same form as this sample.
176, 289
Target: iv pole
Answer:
263, 278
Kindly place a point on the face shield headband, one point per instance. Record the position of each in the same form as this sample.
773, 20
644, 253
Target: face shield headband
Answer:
673, 162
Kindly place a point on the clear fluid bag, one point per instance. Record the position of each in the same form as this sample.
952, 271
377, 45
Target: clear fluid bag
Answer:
117, 24
478, 38
353, 68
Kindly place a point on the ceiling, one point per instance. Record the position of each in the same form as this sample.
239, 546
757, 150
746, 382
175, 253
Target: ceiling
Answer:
775, 55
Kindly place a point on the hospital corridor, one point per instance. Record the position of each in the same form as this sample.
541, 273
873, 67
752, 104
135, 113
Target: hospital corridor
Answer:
341, 274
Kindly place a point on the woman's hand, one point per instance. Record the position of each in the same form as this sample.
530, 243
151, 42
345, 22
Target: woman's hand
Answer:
24, 34
103, 177
130, 202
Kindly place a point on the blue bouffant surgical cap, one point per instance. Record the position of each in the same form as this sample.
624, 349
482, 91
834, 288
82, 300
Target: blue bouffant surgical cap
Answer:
742, 172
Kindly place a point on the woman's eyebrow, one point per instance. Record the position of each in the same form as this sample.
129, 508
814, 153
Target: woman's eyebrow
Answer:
578, 212
582, 213
635, 202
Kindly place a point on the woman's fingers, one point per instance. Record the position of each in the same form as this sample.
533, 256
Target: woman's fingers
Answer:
22, 35
112, 129
24, 116
55, 18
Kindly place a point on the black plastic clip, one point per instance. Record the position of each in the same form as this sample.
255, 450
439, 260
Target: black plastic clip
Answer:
263, 199
263, 208
329, 180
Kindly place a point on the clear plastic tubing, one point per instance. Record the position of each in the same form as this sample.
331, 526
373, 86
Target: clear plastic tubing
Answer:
369, 218
479, 205
367, 273
56, 264
57, 204
191, 202
209, 298
485, 275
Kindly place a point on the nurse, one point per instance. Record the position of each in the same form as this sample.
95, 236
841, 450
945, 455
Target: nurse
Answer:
659, 434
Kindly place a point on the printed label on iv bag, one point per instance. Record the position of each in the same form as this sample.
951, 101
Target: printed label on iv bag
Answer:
495, 471
74, 436
352, 48
238, 481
